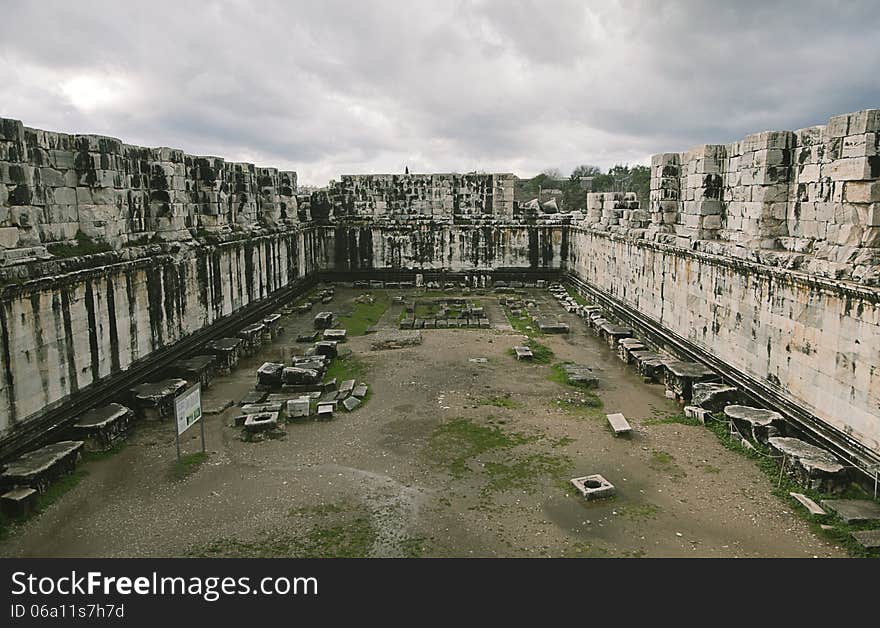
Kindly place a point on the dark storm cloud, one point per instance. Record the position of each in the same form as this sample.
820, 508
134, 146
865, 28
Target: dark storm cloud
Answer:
334, 87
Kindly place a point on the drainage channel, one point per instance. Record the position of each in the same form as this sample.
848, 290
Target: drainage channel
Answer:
54, 422
849, 450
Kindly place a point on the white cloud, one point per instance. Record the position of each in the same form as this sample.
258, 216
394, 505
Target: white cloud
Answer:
334, 87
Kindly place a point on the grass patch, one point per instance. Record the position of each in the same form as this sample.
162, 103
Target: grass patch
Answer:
456, 442
352, 538
44, 500
672, 418
587, 406
188, 465
639, 512
348, 367
523, 473
524, 324
558, 375
574, 294
839, 532
365, 315
500, 402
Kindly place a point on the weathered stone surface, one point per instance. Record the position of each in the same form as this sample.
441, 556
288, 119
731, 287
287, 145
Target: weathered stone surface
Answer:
396, 339
869, 539
618, 423
523, 353
39, 468
155, 400
854, 510
714, 396
350, 403
594, 486
101, 428
812, 507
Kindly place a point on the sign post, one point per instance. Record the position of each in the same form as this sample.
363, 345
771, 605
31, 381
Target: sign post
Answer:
188, 412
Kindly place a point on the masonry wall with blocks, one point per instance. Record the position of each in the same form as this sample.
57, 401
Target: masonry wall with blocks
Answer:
60, 334
54, 186
814, 341
440, 196
812, 193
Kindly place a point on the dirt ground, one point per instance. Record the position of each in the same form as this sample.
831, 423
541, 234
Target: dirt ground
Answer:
447, 458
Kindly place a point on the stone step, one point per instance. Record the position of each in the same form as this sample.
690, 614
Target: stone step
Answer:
809, 504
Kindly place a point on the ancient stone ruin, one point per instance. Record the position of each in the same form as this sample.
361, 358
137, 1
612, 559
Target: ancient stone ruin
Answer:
750, 285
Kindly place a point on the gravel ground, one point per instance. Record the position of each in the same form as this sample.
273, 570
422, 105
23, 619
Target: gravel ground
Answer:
448, 458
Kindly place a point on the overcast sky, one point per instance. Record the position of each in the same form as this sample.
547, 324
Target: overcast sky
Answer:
328, 88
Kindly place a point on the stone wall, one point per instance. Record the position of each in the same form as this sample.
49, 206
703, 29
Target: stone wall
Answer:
54, 186
806, 200
428, 245
60, 334
394, 196
814, 341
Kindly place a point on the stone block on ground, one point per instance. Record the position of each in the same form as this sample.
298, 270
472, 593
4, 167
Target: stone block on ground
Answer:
619, 424
713, 396
101, 428
810, 466
854, 510
391, 339
761, 423
39, 468
869, 539
593, 486
19, 502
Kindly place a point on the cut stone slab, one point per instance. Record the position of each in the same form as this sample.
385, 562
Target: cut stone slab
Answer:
298, 408
391, 339
593, 486
713, 396
869, 539
260, 422
347, 386
217, 406
360, 391
619, 424
339, 335
227, 351
325, 410
523, 353
811, 466
580, 375
696, 412
252, 335
350, 403
812, 507
762, 423
155, 400
100, 428
254, 396
308, 337
18, 502
39, 468
478, 360
323, 320
327, 348
854, 510
293, 375
681, 376
198, 368
269, 374
553, 327
261, 408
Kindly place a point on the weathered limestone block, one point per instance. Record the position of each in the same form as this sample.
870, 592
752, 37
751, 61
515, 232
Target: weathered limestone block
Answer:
810, 466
